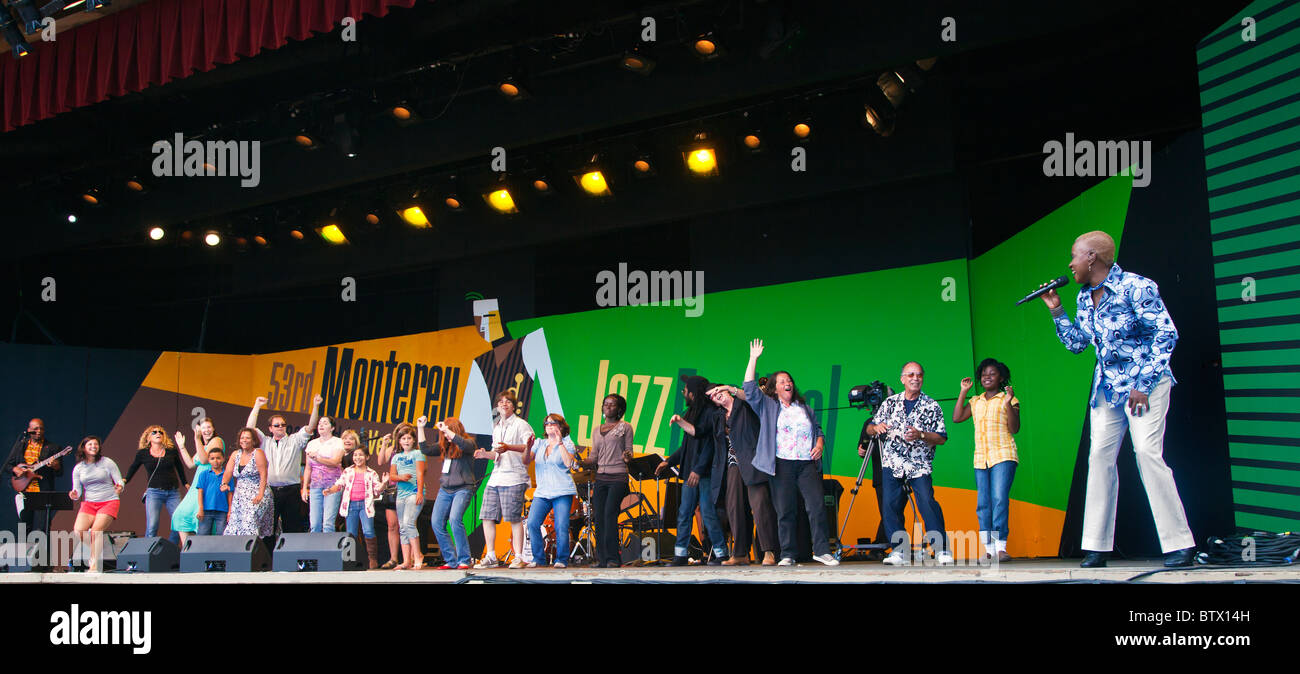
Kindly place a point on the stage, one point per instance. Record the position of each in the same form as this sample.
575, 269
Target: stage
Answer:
1036, 571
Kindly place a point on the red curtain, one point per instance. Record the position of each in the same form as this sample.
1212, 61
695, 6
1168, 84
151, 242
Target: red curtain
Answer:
156, 42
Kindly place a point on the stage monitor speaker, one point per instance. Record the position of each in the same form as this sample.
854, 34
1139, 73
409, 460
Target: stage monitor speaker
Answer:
656, 545
629, 550
204, 554
151, 554
332, 551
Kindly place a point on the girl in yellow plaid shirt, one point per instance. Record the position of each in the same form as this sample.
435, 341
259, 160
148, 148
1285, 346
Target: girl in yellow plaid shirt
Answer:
997, 418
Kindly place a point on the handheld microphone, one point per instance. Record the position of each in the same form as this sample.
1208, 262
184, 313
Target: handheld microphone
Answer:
1056, 283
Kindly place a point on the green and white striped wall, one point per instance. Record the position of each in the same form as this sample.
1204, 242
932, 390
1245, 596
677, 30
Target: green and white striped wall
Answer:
1250, 118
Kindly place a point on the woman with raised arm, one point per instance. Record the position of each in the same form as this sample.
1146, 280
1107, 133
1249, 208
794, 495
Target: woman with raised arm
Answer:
555, 489
745, 490
96, 478
997, 418
185, 520
324, 466
157, 456
611, 450
456, 487
252, 511
790, 443
388, 501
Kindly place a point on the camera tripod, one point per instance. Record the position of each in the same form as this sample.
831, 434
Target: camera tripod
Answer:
873, 445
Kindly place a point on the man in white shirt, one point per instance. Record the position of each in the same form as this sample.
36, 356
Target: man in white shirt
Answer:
284, 463
503, 499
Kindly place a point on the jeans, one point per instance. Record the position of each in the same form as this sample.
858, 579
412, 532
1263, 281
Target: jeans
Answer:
896, 501
795, 479
993, 496
1148, 431
357, 514
324, 509
213, 523
608, 501
537, 514
288, 507
408, 508
154, 500
450, 507
708, 512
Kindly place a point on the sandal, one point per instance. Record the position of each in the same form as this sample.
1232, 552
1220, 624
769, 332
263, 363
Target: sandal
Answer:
389, 565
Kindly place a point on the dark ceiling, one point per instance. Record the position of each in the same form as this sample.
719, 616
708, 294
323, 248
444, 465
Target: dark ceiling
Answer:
1018, 74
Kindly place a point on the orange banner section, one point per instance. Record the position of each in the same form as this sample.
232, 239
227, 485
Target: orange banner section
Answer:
380, 380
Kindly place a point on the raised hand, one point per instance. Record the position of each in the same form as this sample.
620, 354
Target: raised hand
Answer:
1011, 393
316, 401
260, 402
180, 439
422, 422
755, 349
966, 383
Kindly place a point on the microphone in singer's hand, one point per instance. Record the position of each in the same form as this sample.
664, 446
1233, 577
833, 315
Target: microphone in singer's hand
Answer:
1056, 283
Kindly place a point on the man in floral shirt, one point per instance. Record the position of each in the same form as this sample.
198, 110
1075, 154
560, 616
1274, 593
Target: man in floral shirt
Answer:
1122, 316
912, 424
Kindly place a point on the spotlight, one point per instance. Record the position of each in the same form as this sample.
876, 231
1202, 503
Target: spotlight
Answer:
212, 238
72, 217
453, 202
752, 142
403, 112
296, 234
637, 60
501, 201
156, 233
259, 240
31, 16
593, 183
92, 196
891, 85
701, 157
92, 5
306, 140
242, 242
542, 187
878, 118
135, 184
643, 166
12, 35
413, 215
926, 64
372, 218
706, 47
801, 130
332, 234
187, 235
511, 89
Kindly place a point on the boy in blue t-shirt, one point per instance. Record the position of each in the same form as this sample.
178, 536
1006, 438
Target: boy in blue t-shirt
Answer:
214, 504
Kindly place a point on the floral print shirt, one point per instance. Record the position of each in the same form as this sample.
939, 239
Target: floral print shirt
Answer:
1131, 330
905, 459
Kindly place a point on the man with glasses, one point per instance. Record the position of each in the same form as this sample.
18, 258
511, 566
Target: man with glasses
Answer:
31, 448
284, 464
912, 426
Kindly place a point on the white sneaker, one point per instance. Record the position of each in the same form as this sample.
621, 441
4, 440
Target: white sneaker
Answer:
827, 559
487, 563
519, 564
786, 561
944, 558
895, 558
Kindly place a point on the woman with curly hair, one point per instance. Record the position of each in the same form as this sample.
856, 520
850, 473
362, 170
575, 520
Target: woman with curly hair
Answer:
157, 455
251, 512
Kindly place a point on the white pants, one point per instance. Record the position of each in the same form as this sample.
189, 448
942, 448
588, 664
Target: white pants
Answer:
1148, 432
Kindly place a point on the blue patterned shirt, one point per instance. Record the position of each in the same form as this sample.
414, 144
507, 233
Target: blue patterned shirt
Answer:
1131, 330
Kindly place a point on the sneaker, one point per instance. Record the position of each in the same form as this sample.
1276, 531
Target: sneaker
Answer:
530, 565
786, 561
519, 564
895, 558
828, 559
944, 558
561, 565
487, 563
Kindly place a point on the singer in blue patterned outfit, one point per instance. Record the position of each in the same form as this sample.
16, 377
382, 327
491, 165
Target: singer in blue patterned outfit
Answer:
1122, 315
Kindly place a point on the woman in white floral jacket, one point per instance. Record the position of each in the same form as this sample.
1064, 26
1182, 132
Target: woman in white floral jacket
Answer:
360, 485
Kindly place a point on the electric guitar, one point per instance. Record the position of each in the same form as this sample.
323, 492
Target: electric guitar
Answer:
29, 472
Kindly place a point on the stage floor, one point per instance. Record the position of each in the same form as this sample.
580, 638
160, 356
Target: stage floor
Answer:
1026, 571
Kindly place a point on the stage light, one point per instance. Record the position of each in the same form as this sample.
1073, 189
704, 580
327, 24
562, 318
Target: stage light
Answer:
92, 196
878, 118
259, 240
802, 130
32, 16
92, 5
373, 218
12, 34
542, 187
891, 85
702, 162
187, 235
72, 217
511, 89
212, 238
156, 233
453, 202
137, 185
242, 242
641, 166
402, 112
706, 47
594, 184
926, 64
637, 60
413, 215
332, 234
501, 201
306, 140
752, 142
296, 234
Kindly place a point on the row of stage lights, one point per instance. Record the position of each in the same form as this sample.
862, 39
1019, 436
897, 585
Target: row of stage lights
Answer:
31, 14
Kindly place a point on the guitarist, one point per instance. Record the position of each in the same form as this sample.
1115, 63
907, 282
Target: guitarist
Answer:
32, 448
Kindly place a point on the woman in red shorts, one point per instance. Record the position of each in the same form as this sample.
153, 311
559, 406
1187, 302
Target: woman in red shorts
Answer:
97, 479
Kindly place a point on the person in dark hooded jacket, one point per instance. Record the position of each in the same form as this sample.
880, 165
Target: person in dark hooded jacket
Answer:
694, 461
